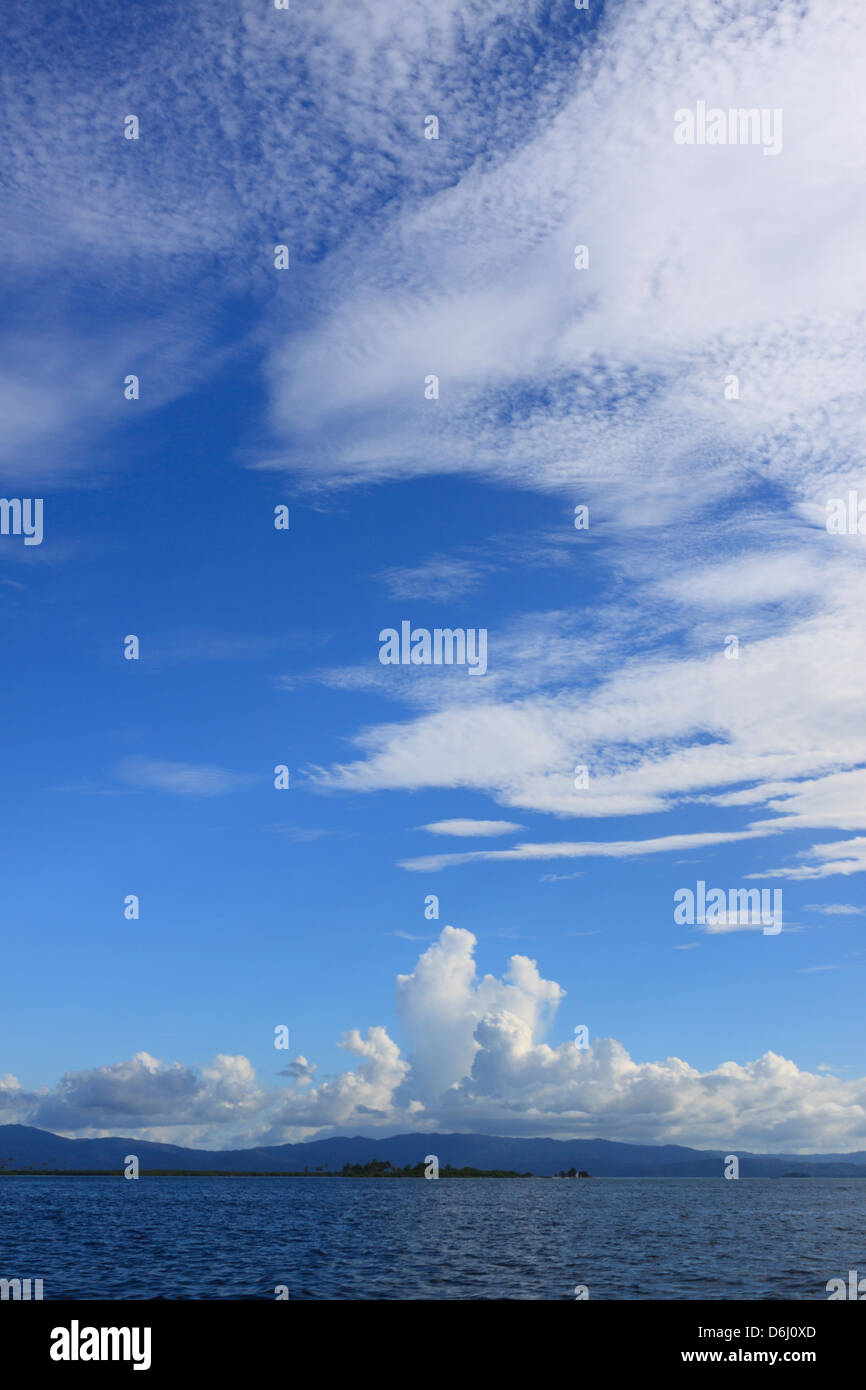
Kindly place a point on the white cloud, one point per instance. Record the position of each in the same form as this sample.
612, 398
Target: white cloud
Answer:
478, 1062
703, 262
614, 849
778, 729
836, 909
363, 1096
442, 577
466, 829
145, 1095
179, 779
460, 261
840, 857
440, 1005
456, 257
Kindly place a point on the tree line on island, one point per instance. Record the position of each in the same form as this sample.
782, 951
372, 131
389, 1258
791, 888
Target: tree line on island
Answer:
376, 1168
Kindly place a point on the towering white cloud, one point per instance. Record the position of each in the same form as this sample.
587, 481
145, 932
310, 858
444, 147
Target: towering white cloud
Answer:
479, 1063
441, 1003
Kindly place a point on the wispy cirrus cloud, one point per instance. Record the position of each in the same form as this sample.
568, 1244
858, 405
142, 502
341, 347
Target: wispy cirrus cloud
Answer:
836, 909
441, 577
180, 779
840, 857
585, 849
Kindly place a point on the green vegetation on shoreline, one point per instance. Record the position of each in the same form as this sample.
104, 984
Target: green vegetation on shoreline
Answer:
375, 1169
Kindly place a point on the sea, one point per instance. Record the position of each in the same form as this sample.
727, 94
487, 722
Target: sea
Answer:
451, 1238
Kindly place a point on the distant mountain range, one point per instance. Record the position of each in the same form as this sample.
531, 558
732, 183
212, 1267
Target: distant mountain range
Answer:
21, 1146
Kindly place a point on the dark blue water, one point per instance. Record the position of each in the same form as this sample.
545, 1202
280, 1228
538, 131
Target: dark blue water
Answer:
238, 1238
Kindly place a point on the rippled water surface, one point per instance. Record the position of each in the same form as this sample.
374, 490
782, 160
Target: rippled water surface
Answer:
410, 1238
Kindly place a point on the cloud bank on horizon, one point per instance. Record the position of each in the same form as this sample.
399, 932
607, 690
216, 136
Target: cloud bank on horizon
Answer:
478, 1063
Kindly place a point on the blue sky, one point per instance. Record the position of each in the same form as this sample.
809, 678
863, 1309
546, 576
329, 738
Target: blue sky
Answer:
558, 387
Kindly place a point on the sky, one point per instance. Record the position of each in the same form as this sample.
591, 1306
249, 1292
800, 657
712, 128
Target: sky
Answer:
620, 464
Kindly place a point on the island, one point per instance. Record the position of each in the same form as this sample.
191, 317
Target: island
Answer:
376, 1168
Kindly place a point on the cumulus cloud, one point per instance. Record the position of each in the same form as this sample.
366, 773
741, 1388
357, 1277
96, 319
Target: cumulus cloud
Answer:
478, 1062
300, 1069
456, 257
141, 1094
441, 1003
